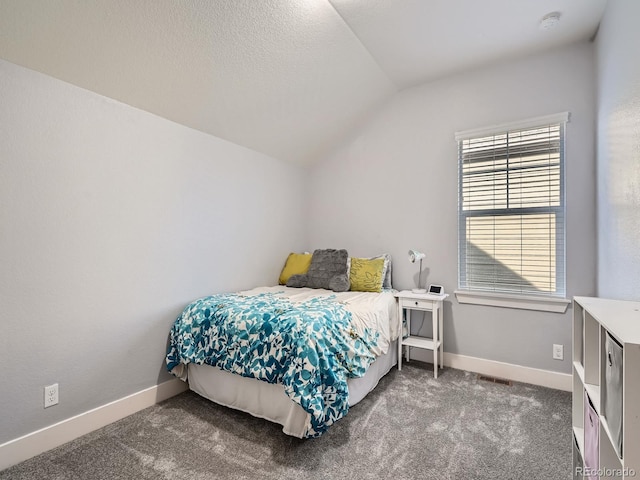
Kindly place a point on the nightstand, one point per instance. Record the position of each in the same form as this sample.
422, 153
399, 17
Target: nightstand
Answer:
425, 302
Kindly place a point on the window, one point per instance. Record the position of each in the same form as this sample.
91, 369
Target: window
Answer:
511, 208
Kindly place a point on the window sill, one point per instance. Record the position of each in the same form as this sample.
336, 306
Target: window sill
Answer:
541, 304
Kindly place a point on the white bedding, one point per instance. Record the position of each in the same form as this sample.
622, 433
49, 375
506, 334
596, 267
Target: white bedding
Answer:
377, 311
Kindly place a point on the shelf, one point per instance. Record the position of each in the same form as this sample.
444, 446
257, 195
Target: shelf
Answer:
577, 403
591, 350
594, 395
579, 370
620, 317
579, 434
594, 320
604, 427
578, 335
420, 342
609, 459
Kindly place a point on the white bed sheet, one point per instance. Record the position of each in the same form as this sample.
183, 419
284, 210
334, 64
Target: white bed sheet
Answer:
269, 401
377, 311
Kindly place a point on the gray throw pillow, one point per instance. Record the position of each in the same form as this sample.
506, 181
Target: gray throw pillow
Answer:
297, 281
340, 283
328, 270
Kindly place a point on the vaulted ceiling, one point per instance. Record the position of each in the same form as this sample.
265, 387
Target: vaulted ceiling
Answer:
288, 78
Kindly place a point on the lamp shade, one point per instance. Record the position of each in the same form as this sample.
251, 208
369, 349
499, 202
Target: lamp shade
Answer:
414, 256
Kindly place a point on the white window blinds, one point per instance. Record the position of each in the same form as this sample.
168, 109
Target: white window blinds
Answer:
511, 208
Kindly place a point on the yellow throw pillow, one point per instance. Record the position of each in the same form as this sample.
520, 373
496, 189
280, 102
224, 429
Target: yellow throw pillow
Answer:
366, 274
296, 264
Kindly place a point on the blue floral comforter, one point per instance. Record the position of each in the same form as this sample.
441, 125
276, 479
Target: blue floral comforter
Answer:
309, 347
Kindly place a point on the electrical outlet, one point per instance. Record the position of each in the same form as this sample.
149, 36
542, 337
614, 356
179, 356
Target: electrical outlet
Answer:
51, 395
558, 352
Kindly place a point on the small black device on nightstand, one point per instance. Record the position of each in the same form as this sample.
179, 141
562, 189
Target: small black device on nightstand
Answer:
436, 289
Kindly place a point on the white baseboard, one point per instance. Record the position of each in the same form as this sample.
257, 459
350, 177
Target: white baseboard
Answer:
518, 373
509, 371
35, 443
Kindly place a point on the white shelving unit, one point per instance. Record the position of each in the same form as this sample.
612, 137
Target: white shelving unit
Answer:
597, 324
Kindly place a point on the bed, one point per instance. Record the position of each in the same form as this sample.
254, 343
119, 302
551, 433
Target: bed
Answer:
299, 357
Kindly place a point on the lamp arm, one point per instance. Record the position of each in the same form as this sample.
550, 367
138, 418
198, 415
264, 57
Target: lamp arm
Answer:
420, 275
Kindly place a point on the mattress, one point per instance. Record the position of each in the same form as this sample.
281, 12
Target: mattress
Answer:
268, 400
368, 312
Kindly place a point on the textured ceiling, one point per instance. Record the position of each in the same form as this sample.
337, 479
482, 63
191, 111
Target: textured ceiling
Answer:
419, 40
288, 78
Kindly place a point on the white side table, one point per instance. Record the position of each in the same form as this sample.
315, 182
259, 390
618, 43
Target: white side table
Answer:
426, 302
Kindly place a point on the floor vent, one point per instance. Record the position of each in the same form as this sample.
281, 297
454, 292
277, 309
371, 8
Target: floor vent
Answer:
501, 381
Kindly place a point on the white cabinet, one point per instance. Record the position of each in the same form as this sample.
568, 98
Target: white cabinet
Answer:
606, 388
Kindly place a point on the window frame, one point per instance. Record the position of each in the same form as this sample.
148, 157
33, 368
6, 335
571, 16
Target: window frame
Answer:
553, 302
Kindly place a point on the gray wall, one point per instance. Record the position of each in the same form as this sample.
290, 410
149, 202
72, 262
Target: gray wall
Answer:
619, 151
111, 221
393, 186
